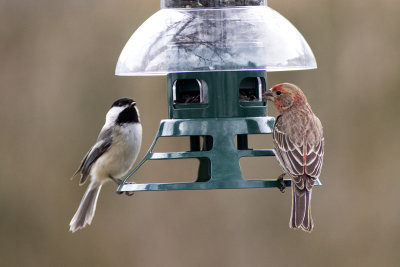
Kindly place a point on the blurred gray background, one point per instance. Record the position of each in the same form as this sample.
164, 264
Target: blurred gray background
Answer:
57, 61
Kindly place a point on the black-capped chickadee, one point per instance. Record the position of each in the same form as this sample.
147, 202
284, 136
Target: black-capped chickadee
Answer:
113, 155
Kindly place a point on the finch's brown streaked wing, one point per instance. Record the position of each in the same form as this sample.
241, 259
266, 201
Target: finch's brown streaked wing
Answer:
314, 159
292, 156
288, 154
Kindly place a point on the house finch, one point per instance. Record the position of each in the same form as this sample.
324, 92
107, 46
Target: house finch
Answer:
299, 146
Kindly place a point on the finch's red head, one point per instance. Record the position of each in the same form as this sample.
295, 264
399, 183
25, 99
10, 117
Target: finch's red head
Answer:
285, 95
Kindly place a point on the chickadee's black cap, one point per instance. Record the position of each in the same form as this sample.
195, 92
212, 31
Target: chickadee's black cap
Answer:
123, 102
129, 114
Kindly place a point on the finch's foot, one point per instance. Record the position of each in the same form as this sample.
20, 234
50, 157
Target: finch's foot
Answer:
282, 182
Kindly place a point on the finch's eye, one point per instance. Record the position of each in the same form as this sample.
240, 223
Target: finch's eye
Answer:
278, 92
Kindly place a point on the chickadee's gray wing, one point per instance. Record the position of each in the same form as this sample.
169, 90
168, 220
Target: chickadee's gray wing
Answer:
103, 143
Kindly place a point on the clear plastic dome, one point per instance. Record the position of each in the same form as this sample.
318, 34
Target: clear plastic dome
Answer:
210, 3
215, 39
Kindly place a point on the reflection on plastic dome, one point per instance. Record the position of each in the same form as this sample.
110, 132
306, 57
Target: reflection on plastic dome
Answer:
215, 39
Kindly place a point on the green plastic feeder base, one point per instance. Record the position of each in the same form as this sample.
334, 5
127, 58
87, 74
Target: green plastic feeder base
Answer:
219, 163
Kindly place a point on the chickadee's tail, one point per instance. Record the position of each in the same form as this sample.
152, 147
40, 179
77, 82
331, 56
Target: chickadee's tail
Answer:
301, 204
87, 207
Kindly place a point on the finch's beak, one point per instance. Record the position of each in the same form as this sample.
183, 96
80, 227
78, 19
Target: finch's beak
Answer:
268, 95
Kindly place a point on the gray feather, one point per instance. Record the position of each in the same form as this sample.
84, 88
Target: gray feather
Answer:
87, 207
103, 143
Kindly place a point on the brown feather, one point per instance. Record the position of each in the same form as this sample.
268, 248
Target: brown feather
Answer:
299, 145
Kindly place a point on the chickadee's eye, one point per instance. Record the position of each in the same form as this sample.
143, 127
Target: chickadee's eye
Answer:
278, 92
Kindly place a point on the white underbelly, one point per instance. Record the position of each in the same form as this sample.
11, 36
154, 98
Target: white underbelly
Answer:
121, 156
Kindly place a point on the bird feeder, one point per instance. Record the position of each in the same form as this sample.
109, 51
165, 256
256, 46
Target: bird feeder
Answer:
215, 54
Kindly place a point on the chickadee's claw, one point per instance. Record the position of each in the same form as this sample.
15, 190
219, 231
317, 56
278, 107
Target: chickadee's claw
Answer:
129, 194
117, 181
282, 182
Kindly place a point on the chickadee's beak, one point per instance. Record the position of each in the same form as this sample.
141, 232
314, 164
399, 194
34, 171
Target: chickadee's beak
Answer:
268, 95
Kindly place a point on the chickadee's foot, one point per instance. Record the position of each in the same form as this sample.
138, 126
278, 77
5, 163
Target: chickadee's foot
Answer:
129, 194
117, 181
282, 182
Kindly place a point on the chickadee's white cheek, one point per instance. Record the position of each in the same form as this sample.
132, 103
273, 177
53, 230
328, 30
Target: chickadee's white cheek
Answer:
112, 116
137, 111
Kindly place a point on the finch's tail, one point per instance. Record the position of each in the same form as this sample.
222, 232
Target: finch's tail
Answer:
301, 205
87, 207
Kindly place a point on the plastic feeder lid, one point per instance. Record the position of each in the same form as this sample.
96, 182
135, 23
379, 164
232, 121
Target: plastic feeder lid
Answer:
186, 36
